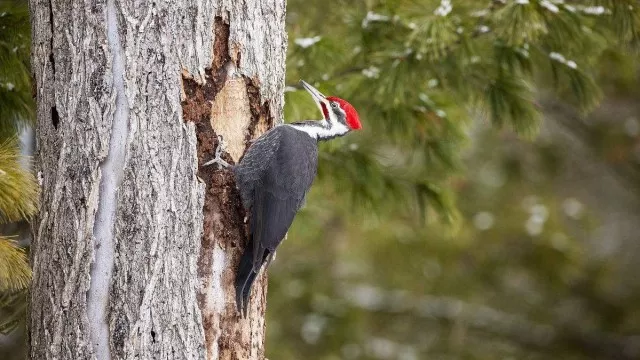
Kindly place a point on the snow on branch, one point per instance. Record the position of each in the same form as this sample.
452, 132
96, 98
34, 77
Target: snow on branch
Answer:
373, 17
307, 42
549, 6
444, 9
561, 59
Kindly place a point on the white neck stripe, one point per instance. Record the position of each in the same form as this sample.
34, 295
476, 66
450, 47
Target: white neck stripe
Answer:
321, 129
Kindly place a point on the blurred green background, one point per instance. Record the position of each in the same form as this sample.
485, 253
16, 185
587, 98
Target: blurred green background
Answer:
489, 208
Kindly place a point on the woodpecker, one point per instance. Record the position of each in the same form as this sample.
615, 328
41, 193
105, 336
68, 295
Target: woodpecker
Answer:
274, 176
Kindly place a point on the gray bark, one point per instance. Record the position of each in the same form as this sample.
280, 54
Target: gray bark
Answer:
135, 246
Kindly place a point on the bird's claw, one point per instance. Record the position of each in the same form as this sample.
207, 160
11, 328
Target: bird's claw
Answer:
218, 154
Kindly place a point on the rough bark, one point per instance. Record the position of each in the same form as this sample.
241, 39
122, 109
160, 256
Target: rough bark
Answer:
135, 246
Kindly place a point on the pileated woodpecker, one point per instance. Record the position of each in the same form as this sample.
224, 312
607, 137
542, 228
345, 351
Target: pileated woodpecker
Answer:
274, 176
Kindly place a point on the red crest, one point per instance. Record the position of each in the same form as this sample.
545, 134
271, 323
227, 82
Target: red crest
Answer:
353, 120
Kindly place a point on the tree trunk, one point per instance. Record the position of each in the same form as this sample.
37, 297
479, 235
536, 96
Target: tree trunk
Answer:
136, 245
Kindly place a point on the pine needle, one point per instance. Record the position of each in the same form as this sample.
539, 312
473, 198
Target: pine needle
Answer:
14, 267
18, 186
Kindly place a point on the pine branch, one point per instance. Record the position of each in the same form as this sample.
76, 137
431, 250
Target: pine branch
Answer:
14, 267
16, 103
18, 187
374, 179
462, 60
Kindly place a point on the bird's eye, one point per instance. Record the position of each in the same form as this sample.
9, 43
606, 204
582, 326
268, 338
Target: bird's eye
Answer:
334, 105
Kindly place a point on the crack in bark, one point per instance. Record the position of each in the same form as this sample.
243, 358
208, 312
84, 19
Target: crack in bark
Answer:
55, 118
111, 170
53, 64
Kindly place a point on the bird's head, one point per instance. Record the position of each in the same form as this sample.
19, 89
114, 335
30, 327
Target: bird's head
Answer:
336, 111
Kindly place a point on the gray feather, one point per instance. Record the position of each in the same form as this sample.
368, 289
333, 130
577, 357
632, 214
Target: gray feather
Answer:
274, 177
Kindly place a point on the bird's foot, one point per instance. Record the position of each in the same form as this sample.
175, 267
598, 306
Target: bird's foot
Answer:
218, 155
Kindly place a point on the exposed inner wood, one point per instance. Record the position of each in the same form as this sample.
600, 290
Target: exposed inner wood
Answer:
227, 104
231, 115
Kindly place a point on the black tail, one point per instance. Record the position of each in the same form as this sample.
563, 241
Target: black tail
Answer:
245, 278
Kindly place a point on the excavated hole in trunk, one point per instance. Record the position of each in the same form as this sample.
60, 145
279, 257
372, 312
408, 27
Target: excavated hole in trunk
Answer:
223, 211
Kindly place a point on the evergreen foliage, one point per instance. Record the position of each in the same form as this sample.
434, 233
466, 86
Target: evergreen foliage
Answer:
521, 275
14, 270
417, 71
18, 188
16, 104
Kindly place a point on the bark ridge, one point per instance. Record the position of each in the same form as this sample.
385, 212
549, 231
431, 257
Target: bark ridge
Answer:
151, 306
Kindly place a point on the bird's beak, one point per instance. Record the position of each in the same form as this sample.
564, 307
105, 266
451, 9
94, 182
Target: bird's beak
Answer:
315, 94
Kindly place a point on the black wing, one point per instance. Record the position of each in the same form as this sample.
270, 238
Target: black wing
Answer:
252, 166
276, 174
